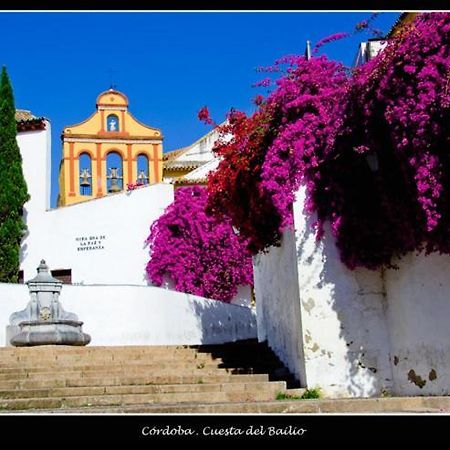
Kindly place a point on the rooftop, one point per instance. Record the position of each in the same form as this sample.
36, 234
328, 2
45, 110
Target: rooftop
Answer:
26, 121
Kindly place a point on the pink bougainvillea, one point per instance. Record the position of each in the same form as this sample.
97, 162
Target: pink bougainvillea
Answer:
281, 145
373, 150
396, 114
195, 252
204, 116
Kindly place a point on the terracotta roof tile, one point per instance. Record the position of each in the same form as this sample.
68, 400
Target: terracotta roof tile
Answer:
26, 121
24, 115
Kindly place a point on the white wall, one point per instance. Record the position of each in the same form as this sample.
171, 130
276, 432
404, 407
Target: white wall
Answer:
361, 332
278, 304
35, 149
345, 336
122, 219
141, 315
419, 324
338, 332
201, 150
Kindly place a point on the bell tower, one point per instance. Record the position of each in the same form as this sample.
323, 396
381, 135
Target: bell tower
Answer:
108, 151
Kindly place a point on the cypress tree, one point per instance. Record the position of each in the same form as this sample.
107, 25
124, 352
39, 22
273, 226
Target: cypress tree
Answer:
13, 188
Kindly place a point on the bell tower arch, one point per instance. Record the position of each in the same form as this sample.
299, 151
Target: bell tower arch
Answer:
111, 130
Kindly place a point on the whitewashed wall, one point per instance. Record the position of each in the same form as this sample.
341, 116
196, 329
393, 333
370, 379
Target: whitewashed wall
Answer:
419, 324
278, 304
201, 150
337, 324
362, 333
345, 334
141, 315
35, 149
114, 227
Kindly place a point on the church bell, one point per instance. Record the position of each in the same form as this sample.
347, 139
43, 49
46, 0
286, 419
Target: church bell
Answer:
114, 180
85, 178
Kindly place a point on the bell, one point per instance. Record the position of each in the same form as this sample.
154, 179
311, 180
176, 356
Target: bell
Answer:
142, 178
114, 186
84, 175
114, 177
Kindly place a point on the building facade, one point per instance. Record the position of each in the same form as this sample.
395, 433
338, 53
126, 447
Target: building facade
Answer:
107, 152
190, 165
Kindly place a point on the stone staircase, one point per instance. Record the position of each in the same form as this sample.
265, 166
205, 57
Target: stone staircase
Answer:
235, 377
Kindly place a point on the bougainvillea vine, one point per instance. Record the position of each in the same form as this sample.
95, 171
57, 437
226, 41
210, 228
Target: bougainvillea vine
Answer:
372, 150
195, 252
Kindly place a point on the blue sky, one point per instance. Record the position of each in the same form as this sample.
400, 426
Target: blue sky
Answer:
168, 64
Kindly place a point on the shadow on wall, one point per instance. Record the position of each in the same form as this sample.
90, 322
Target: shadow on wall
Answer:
220, 322
343, 316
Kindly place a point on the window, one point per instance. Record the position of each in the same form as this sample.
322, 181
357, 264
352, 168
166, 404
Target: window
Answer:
112, 123
64, 275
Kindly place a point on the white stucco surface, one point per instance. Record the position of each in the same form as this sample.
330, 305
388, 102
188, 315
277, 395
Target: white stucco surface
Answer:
337, 330
419, 324
345, 336
101, 241
278, 304
362, 333
201, 150
203, 171
141, 315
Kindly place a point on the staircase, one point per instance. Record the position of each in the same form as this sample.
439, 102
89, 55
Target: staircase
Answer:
227, 378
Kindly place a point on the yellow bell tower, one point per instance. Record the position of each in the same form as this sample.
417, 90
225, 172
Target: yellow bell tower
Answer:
108, 151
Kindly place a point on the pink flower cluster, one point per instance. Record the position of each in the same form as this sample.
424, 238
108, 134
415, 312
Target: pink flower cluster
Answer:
395, 111
373, 150
197, 253
310, 104
133, 186
204, 116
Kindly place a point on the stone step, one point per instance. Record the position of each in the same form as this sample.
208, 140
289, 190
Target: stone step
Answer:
96, 348
275, 386
56, 360
62, 367
393, 405
103, 358
6, 365
201, 359
60, 378
94, 352
148, 379
141, 399
129, 351
156, 370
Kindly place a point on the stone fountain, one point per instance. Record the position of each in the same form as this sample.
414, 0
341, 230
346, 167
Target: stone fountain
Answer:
44, 321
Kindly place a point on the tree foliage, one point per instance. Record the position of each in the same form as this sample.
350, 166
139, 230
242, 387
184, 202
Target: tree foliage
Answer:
13, 188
